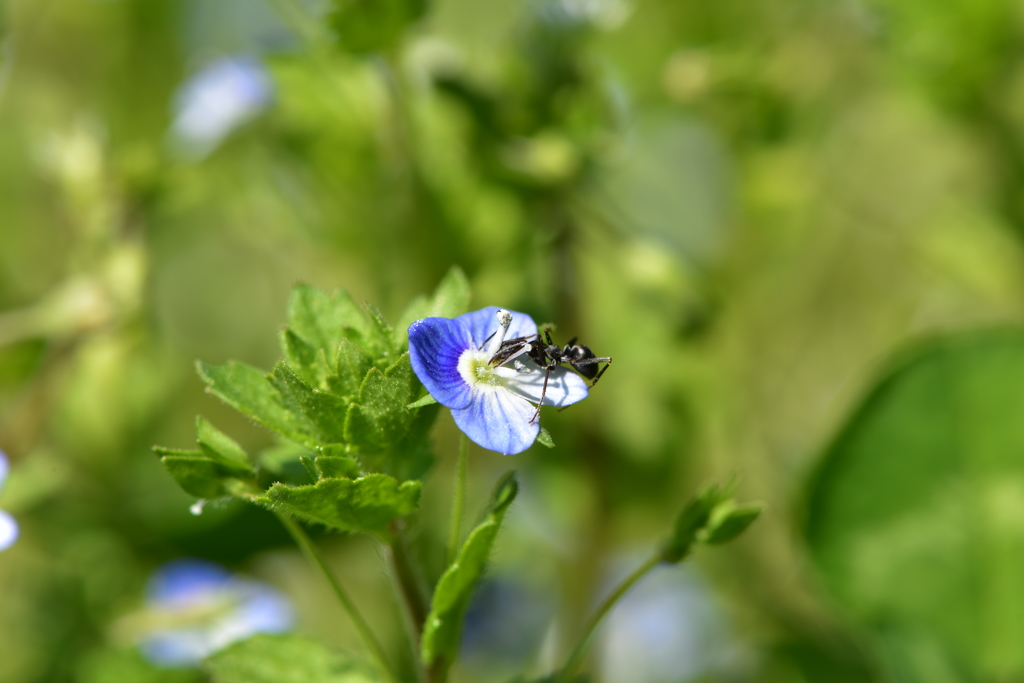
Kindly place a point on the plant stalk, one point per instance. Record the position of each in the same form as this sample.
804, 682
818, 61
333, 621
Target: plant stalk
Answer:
458, 502
308, 549
564, 676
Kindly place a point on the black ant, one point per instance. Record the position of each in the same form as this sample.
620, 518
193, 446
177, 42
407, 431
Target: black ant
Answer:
549, 356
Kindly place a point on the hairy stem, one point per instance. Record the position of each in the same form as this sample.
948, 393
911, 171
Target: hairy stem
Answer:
577, 654
308, 549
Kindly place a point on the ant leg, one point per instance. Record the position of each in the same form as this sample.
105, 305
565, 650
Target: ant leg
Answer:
592, 361
543, 393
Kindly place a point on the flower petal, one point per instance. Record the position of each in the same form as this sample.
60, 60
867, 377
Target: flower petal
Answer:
499, 420
565, 387
8, 530
4, 468
435, 346
483, 323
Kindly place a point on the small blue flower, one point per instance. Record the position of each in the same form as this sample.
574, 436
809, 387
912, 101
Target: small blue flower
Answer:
195, 608
494, 403
214, 102
8, 527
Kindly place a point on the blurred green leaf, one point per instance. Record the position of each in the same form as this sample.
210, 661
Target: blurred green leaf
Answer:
451, 596
369, 26
285, 659
916, 515
728, 521
119, 666
366, 504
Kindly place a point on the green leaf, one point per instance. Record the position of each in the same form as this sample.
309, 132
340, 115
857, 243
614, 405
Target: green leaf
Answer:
324, 320
451, 597
690, 522
324, 411
544, 438
450, 299
203, 476
365, 27
427, 400
366, 504
728, 521
248, 390
351, 365
285, 659
121, 665
916, 515
216, 444
304, 358
379, 417
337, 466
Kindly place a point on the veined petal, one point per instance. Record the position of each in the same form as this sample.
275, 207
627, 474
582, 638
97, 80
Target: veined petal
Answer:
499, 420
565, 387
483, 323
435, 346
8, 530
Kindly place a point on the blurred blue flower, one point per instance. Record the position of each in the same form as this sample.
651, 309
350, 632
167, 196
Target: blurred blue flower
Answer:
490, 399
195, 608
215, 101
669, 628
8, 527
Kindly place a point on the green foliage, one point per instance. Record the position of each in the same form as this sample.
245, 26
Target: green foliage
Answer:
915, 515
451, 596
365, 504
712, 517
345, 391
219, 468
285, 659
368, 26
119, 666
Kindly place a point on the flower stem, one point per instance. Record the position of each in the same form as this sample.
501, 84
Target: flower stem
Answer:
577, 654
316, 559
458, 503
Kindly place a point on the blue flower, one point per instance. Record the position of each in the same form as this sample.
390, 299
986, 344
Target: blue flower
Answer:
493, 402
219, 98
195, 608
8, 527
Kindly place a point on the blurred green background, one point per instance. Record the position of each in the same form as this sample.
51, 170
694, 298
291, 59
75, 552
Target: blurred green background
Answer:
797, 226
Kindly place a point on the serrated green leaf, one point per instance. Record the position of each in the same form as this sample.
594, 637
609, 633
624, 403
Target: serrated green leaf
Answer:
303, 358
728, 521
323, 319
337, 467
350, 367
215, 443
205, 477
285, 659
379, 337
323, 410
366, 504
379, 417
451, 596
248, 390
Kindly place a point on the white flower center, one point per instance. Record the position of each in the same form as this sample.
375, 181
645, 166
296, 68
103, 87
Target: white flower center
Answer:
476, 369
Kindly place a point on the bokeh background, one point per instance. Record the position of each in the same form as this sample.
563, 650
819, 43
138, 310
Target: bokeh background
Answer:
797, 226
